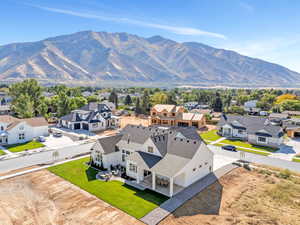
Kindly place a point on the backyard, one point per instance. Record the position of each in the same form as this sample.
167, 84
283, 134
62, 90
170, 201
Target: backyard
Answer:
132, 201
25, 146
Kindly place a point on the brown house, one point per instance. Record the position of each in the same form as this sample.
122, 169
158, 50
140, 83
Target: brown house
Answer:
172, 115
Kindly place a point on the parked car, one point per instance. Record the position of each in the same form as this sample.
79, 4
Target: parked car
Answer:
57, 134
263, 113
229, 148
41, 139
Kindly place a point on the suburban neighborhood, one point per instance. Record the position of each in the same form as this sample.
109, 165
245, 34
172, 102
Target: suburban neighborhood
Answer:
137, 112
141, 144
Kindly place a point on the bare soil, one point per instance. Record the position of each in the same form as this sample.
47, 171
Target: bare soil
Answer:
41, 198
243, 198
125, 120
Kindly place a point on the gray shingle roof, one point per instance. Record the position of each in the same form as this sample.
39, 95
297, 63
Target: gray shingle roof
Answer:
176, 150
252, 124
144, 159
107, 145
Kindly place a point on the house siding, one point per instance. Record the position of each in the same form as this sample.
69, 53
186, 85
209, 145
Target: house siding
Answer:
203, 158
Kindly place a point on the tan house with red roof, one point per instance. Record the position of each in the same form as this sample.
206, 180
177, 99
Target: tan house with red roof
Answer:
172, 115
14, 130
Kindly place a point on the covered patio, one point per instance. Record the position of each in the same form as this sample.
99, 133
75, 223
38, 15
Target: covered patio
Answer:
161, 184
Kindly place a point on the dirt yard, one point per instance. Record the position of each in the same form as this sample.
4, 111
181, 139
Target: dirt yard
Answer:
41, 198
124, 120
243, 198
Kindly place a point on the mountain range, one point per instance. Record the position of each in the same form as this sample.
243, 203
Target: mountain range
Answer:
89, 56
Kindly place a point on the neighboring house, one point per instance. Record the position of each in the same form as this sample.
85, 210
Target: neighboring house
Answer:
5, 109
91, 117
110, 105
278, 118
292, 113
190, 105
255, 130
251, 107
48, 94
202, 111
5, 99
162, 160
292, 127
86, 94
172, 115
14, 130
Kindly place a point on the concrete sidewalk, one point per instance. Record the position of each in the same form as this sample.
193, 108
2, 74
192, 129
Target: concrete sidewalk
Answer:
5, 150
169, 206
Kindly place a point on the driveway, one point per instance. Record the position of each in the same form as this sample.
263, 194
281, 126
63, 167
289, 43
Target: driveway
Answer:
288, 150
59, 142
220, 161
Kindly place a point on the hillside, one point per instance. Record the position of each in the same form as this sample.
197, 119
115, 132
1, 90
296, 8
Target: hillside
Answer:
100, 56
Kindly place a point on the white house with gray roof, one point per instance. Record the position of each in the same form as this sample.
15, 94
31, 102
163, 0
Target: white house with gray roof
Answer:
91, 117
164, 160
256, 130
15, 131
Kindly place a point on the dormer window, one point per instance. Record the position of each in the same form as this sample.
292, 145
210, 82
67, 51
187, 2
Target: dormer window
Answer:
150, 149
165, 114
21, 128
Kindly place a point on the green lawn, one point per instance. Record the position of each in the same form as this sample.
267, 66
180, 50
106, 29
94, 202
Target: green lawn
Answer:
2, 153
21, 147
247, 150
132, 201
296, 159
210, 136
238, 143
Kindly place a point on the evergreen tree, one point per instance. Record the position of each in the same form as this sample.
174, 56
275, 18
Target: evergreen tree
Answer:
217, 104
113, 97
138, 109
145, 102
128, 100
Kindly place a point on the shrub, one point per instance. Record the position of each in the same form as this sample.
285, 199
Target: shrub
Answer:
285, 174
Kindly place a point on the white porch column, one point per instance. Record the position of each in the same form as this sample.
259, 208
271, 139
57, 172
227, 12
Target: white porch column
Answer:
137, 177
171, 186
153, 181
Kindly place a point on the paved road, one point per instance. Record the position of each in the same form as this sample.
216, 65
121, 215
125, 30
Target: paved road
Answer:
43, 157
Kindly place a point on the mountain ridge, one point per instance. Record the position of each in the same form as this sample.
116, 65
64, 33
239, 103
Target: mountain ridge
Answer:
102, 56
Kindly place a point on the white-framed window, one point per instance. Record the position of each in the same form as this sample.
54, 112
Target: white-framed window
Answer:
240, 131
261, 139
94, 125
21, 127
21, 136
132, 167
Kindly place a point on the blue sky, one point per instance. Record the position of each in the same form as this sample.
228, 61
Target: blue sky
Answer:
266, 29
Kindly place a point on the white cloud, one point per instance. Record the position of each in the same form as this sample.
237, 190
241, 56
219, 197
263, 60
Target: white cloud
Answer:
173, 29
